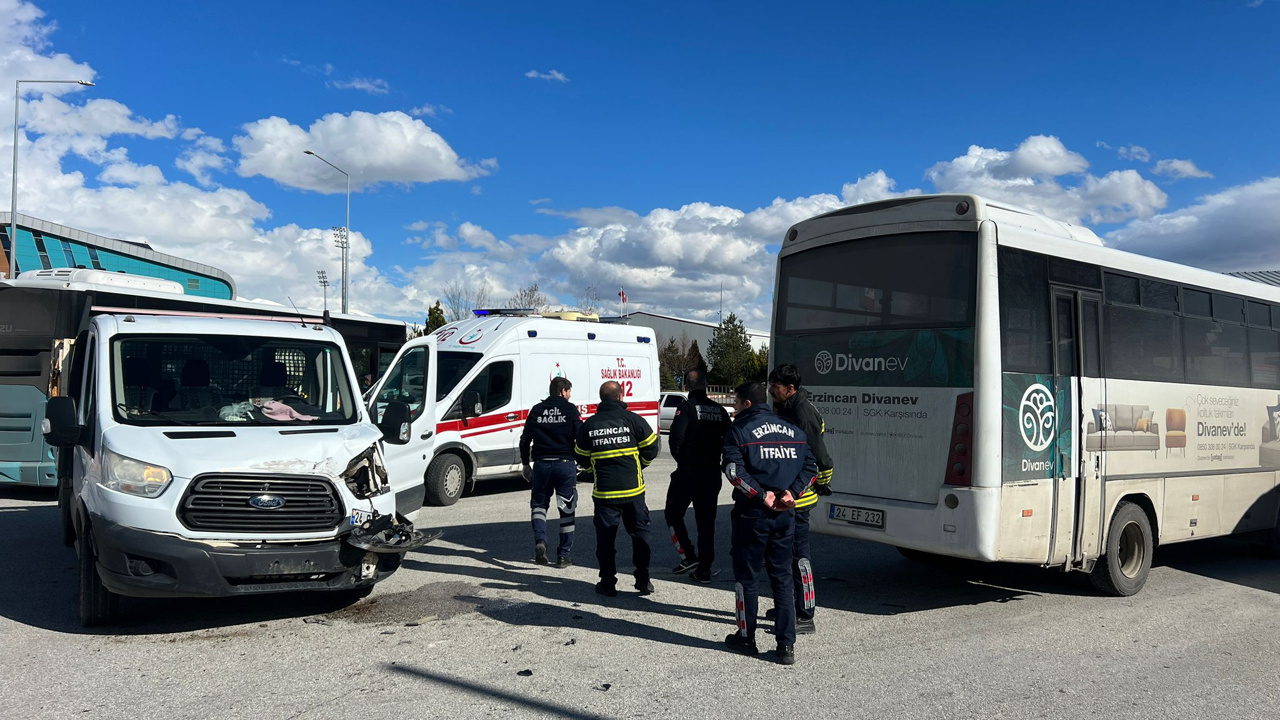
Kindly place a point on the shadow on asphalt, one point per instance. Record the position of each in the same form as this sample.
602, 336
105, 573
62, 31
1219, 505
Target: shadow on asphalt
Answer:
1228, 559
854, 576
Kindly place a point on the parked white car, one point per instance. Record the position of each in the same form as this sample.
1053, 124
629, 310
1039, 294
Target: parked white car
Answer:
667, 409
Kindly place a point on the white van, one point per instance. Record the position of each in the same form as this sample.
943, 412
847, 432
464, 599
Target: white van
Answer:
213, 457
470, 386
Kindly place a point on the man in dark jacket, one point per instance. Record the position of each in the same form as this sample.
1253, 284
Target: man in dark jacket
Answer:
791, 402
551, 429
695, 440
769, 464
617, 445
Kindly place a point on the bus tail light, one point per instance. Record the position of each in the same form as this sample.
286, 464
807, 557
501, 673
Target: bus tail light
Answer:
960, 456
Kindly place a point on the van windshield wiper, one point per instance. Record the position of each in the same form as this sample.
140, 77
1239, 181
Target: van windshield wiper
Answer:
127, 411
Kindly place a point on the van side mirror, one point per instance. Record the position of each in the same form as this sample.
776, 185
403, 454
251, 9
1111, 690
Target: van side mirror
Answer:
471, 406
395, 423
61, 427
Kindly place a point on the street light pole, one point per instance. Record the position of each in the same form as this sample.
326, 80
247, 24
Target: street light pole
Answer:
13, 176
344, 240
324, 283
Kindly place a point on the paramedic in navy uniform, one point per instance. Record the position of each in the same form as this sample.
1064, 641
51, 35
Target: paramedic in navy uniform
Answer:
769, 464
618, 444
551, 429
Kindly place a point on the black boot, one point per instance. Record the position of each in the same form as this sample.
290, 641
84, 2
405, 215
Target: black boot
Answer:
739, 643
785, 655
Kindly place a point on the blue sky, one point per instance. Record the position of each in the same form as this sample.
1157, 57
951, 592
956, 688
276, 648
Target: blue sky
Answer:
639, 145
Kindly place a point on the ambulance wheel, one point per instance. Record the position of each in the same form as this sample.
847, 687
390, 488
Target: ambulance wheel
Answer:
1124, 568
98, 605
446, 478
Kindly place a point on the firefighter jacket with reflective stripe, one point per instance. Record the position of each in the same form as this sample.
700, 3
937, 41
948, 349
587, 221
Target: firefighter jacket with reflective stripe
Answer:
697, 433
617, 445
799, 411
552, 428
763, 453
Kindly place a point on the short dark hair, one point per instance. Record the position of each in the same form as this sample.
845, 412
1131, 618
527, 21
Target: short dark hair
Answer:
611, 390
786, 374
752, 392
694, 380
559, 385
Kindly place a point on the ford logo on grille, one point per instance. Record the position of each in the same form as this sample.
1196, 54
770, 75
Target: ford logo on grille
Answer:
266, 502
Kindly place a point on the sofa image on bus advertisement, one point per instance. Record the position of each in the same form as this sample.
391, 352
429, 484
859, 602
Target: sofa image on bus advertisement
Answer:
1122, 427
1269, 452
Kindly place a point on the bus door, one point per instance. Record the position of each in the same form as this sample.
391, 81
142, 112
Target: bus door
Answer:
1079, 387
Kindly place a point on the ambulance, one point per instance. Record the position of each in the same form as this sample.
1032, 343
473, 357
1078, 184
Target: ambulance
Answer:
470, 385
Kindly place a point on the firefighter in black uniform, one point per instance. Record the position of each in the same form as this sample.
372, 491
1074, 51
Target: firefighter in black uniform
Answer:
769, 464
617, 445
695, 440
552, 428
791, 402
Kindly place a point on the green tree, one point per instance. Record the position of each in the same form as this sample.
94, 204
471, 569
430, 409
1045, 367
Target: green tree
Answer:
761, 363
730, 355
670, 364
693, 359
435, 318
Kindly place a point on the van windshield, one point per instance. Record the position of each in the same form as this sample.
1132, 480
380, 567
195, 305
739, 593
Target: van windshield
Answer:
229, 380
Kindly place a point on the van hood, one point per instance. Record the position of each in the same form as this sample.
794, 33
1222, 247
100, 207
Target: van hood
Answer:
191, 451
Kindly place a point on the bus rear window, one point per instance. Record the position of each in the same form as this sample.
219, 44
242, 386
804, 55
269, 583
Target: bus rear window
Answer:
924, 280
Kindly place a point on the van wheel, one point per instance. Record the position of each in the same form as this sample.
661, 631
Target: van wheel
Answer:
64, 509
98, 605
1124, 568
445, 479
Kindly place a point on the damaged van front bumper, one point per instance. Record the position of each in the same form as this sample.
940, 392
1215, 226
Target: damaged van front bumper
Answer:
142, 563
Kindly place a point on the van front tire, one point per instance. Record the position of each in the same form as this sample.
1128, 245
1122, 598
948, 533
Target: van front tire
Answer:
98, 605
446, 477
1124, 568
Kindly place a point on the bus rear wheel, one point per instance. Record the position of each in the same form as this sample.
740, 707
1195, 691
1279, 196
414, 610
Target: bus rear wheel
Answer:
1123, 569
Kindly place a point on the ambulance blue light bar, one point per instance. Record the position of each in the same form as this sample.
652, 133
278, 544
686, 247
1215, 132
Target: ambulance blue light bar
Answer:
505, 312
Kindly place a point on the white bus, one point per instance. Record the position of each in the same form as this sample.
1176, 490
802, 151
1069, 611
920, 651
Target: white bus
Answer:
1000, 386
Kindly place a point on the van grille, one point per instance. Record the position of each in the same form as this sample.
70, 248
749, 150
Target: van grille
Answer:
220, 503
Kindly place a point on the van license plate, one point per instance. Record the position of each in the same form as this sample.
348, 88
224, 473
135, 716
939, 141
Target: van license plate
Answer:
360, 517
857, 515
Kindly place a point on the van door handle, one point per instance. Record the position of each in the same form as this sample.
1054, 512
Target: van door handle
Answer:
428, 434
513, 416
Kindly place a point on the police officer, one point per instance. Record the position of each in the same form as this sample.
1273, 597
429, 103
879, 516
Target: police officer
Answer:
769, 464
695, 440
791, 402
617, 445
551, 429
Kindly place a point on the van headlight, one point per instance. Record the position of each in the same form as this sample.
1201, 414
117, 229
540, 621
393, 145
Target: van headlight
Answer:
133, 476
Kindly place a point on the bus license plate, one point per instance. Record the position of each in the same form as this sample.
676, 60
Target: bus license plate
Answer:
858, 515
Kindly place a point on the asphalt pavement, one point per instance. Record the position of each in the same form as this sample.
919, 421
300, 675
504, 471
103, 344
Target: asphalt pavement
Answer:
471, 628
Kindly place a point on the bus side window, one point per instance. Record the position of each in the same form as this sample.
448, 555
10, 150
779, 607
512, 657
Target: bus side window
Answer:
1024, 311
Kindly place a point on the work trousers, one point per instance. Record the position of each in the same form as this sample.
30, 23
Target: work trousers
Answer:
762, 540
633, 515
559, 478
802, 568
700, 488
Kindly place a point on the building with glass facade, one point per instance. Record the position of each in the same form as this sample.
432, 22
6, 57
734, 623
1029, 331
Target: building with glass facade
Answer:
44, 245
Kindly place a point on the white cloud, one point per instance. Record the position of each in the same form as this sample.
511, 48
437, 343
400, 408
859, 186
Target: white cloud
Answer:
1102, 144
476, 190
1235, 229
389, 147
373, 86
128, 173
1179, 169
540, 201
1029, 176
555, 75
1134, 152
429, 110
203, 155
50, 115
